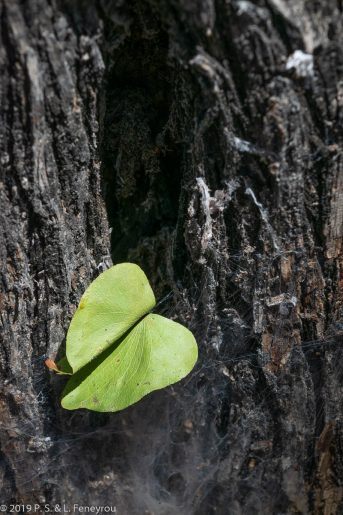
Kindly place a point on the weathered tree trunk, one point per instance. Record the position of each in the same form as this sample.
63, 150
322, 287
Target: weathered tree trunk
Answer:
191, 135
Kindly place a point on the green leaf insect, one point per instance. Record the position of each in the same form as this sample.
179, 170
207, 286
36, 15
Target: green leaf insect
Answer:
117, 350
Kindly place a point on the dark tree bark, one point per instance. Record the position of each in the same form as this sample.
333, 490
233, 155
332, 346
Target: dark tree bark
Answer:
201, 139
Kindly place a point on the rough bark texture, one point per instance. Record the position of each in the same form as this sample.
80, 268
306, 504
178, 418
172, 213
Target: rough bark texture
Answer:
190, 132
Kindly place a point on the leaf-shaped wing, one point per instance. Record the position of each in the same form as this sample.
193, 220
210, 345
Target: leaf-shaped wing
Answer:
112, 304
155, 353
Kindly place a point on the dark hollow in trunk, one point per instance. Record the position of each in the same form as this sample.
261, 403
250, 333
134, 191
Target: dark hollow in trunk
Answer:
201, 139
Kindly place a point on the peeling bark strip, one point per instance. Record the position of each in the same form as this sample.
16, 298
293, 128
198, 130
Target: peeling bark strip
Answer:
204, 139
